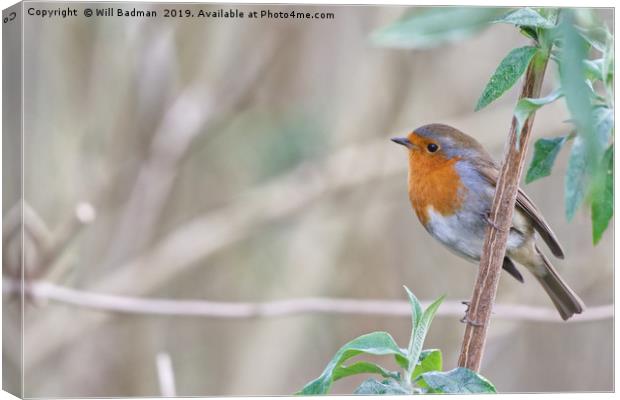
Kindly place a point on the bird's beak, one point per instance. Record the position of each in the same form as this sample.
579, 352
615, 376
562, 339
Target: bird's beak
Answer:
403, 141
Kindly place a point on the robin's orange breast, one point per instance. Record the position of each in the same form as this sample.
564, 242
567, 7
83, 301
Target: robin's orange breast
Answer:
434, 182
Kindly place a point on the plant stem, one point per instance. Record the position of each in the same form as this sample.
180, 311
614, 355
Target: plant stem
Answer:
494, 248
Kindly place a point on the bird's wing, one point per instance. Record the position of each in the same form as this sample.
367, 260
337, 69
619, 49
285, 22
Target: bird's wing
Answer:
490, 172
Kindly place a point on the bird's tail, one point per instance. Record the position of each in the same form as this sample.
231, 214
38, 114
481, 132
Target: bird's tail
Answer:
564, 298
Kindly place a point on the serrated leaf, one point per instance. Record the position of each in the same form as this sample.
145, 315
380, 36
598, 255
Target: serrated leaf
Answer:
545, 152
373, 386
362, 367
602, 195
420, 333
526, 106
430, 360
433, 26
526, 17
575, 181
376, 343
458, 380
506, 75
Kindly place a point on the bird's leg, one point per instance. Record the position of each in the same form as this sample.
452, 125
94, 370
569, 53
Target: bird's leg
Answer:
466, 320
487, 217
466, 303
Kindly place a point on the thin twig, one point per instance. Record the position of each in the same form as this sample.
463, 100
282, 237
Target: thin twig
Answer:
22, 222
279, 308
83, 215
165, 375
203, 236
41, 246
196, 111
494, 248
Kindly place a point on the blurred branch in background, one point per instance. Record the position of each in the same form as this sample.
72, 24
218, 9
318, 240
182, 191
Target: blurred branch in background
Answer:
195, 111
42, 247
204, 236
165, 375
214, 309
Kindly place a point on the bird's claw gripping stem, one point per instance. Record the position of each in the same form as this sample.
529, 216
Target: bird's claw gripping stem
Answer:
487, 217
466, 320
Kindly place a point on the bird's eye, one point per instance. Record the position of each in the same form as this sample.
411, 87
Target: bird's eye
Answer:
432, 147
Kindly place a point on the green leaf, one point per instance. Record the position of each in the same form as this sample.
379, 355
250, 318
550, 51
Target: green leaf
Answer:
430, 360
548, 12
458, 380
545, 152
506, 75
526, 17
363, 367
528, 31
416, 314
577, 93
596, 36
434, 26
402, 360
593, 69
420, 334
526, 106
603, 124
376, 343
373, 386
576, 177
602, 195
608, 65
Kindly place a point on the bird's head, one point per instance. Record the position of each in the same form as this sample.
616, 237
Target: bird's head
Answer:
437, 143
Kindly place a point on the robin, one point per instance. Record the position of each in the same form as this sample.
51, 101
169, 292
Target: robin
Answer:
451, 186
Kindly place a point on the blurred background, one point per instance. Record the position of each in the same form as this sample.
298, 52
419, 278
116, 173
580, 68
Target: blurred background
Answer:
238, 160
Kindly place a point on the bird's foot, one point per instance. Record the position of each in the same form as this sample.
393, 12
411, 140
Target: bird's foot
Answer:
466, 303
466, 320
487, 217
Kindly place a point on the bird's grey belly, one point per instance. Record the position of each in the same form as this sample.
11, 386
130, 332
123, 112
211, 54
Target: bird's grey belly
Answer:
463, 233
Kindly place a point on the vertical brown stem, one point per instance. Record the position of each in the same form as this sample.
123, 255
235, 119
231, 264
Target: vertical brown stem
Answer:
479, 312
